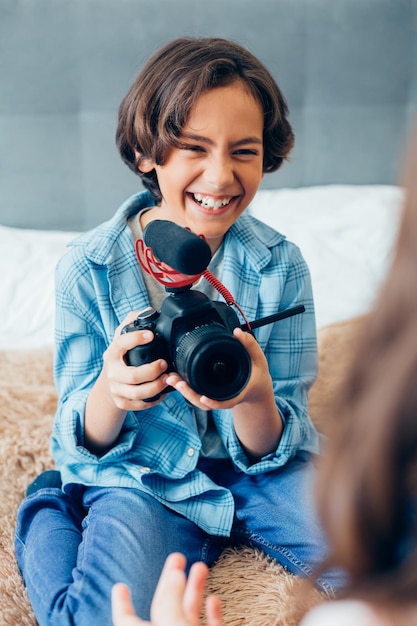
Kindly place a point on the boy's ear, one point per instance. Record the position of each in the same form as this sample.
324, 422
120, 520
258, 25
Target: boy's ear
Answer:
144, 164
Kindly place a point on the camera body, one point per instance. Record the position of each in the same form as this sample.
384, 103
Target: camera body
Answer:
195, 336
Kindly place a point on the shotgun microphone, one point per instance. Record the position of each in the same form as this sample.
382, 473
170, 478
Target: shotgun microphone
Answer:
177, 247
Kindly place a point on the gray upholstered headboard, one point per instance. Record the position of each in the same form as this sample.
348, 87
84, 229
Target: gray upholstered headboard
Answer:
348, 69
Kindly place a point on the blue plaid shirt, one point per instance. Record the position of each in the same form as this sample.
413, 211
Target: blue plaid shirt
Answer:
98, 283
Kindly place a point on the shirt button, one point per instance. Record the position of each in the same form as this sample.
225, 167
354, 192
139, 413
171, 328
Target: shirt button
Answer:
145, 470
190, 452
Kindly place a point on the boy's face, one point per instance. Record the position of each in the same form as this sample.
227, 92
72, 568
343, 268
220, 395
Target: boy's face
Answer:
208, 184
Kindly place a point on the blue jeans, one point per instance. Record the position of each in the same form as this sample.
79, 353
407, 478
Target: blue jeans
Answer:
72, 547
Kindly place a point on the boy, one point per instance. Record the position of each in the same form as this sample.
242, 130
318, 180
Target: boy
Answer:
201, 124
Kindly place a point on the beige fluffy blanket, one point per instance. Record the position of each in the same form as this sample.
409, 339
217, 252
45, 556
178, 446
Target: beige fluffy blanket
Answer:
255, 590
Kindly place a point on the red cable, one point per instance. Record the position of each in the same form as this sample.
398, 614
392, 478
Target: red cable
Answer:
162, 273
225, 293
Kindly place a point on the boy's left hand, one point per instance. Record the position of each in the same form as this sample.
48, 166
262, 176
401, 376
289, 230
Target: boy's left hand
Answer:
257, 421
259, 381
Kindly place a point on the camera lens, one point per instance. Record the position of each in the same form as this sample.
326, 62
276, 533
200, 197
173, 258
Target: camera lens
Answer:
213, 362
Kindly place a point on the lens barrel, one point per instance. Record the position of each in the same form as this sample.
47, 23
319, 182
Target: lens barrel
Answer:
212, 361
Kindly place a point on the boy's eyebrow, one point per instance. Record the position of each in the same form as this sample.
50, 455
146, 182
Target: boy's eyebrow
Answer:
206, 140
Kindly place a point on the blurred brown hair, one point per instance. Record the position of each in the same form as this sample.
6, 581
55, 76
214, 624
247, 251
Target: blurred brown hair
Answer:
156, 107
367, 481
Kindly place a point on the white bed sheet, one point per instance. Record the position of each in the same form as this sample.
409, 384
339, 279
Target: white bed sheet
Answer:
346, 234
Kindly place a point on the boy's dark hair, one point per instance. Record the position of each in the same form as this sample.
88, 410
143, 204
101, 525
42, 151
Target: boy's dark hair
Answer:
156, 107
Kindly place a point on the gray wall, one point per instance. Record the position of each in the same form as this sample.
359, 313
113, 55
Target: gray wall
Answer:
347, 67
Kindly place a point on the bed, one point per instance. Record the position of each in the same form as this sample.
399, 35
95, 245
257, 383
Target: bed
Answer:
349, 73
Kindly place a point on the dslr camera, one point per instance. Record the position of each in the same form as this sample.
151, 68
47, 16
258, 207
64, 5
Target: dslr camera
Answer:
195, 336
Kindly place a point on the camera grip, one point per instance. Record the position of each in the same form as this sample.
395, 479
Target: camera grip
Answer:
146, 353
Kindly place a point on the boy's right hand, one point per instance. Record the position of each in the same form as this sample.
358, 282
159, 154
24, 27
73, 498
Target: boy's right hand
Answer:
120, 388
131, 386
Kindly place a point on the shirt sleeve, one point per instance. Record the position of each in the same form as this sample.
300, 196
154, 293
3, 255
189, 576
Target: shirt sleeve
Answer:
291, 351
290, 346
81, 337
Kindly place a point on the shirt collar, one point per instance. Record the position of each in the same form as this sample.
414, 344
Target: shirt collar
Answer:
100, 242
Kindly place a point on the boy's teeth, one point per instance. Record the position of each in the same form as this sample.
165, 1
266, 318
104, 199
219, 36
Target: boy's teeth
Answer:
210, 203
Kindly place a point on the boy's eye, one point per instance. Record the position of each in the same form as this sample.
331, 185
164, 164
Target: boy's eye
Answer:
193, 148
246, 152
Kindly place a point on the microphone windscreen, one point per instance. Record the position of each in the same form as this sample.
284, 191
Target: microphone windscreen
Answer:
177, 247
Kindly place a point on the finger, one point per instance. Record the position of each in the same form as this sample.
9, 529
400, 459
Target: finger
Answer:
174, 380
194, 593
146, 373
167, 605
247, 340
132, 387
202, 402
139, 397
130, 317
168, 598
123, 613
122, 343
175, 562
129, 340
214, 614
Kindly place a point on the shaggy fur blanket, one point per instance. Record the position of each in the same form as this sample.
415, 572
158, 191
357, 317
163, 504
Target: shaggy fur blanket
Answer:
255, 590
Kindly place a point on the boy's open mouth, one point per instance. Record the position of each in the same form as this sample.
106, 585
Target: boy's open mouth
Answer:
209, 202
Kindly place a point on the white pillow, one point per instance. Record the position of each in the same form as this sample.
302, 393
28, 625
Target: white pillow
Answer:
346, 234
27, 306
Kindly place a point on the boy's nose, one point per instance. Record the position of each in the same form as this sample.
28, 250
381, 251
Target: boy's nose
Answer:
219, 173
